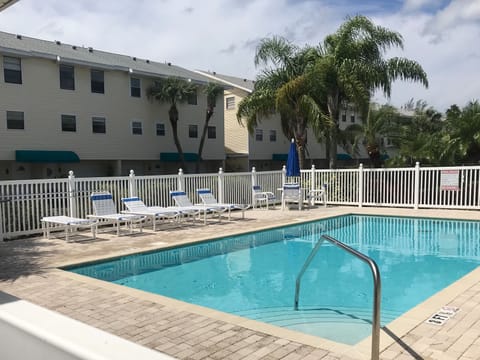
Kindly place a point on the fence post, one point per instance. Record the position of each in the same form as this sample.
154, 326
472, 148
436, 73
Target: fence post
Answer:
1, 221
360, 185
181, 180
312, 179
254, 176
416, 184
72, 195
132, 184
221, 180
284, 175
254, 182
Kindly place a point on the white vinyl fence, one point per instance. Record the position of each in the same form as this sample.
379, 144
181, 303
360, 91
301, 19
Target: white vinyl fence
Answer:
24, 202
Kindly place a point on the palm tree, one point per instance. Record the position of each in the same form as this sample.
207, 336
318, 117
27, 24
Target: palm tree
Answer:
380, 122
463, 132
212, 91
280, 88
172, 91
352, 66
420, 137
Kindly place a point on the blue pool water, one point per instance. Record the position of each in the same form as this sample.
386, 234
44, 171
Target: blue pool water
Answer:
253, 275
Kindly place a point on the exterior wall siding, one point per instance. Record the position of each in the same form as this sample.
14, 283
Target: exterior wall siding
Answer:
43, 102
236, 135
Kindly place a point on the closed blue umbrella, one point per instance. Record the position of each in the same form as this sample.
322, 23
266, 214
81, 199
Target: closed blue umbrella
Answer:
293, 165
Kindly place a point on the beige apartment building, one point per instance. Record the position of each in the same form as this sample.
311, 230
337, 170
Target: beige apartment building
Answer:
66, 107
267, 148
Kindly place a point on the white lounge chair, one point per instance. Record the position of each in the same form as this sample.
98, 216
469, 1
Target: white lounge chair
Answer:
209, 200
185, 205
104, 210
265, 197
292, 193
136, 206
70, 224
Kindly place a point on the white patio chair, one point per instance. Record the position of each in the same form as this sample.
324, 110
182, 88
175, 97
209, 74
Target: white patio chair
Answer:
292, 193
262, 197
104, 210
185, 206
210, 200
136, 206
318, 195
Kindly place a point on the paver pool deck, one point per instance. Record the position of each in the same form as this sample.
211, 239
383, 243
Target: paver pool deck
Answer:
29, 270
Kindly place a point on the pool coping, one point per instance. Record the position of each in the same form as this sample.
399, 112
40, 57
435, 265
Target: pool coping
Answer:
399, 327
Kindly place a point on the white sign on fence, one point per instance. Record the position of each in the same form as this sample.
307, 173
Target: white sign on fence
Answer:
449, 180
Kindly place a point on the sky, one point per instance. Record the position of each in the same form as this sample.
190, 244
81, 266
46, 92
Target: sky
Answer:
222, 35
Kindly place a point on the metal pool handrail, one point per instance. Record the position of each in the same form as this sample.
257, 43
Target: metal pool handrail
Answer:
377, 287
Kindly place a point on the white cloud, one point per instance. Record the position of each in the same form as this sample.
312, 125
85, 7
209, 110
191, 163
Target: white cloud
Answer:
415, 5
221, 35
457, 13
451, 65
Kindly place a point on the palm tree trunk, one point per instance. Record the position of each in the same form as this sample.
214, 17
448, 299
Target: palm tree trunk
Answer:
374, 155
173, 116
301, 140
208, 116
327, 145
332, 104
333, 148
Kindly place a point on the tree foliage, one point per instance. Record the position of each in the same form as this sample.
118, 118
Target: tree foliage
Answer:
306, 86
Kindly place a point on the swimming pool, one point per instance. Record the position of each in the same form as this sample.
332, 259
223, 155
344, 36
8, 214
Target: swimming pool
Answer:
253, 275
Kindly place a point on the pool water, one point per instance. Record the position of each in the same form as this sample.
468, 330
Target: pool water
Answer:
253, 275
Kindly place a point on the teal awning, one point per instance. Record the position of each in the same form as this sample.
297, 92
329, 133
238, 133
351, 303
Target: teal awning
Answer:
49, 156
279, 157
173, 156
343, 157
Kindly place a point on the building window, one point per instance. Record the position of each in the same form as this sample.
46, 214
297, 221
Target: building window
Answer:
67, 77
212, 132
192, 98
15, 120
99, 125
344, 117
137, 128
135, 89
192, 131
352, 118
160, 129
69, 123
258, 134
273, 135
12, 70
97, 81
230, 103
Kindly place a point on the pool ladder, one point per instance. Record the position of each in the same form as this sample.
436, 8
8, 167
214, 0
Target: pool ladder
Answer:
376, 287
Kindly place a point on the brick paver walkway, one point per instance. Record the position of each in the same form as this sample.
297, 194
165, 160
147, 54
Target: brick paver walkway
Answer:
28, 271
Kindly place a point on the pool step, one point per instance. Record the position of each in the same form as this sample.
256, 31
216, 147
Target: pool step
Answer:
348, 325
326, 314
